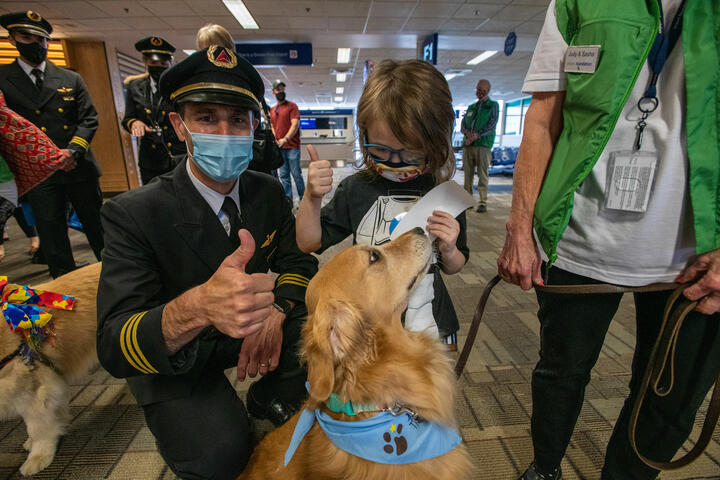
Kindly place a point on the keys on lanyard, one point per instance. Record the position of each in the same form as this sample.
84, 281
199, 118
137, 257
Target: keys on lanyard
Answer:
661, 48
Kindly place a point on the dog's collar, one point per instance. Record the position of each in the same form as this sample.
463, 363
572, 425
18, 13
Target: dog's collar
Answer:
334, 404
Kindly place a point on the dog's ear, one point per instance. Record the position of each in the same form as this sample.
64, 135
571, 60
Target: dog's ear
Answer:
331, 335
317, 352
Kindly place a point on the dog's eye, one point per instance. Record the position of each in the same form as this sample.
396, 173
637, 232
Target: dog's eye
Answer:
374, 256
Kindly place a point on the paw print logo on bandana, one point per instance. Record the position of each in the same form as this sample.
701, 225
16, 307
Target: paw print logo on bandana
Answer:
401, 444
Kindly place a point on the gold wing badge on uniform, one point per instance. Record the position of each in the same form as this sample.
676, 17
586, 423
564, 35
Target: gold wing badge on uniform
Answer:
269, 239
64, 90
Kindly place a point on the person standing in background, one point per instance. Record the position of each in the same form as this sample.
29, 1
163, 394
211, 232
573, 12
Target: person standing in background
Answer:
57, 101
478, 125
146, 113
285, 120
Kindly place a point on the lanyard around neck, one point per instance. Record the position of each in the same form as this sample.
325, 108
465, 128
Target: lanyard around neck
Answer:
665, 41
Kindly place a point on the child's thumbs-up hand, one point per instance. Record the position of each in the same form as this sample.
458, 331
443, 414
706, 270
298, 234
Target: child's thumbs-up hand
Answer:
320, 175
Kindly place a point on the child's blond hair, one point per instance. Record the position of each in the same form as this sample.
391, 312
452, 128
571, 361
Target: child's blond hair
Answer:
414, 99
213, 34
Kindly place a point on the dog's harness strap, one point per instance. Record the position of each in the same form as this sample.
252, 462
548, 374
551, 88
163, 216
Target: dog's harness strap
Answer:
6, 359
661, 358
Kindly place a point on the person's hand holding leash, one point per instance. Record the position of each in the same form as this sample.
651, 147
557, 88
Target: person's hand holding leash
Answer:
260, 352
519, 262
704, 271
320, 175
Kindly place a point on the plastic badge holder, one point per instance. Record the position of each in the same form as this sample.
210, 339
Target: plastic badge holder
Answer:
629, 181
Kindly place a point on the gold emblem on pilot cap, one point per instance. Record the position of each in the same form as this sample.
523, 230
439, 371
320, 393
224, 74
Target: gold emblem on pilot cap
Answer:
155, 41
34, 16
221, 57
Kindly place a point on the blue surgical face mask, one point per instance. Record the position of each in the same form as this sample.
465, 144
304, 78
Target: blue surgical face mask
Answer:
221, 157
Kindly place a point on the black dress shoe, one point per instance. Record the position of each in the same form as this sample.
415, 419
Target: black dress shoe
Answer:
275, 410
533, 474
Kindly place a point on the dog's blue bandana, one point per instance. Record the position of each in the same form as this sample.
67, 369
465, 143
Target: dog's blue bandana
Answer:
383, 438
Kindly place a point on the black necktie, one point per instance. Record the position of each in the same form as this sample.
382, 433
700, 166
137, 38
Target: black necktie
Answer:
37, 73
229, 207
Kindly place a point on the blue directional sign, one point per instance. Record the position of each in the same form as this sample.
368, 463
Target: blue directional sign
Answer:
510, 43
430, 49
276, 53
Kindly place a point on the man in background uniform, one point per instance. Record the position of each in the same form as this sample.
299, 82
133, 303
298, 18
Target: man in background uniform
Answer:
57, 101
146, 112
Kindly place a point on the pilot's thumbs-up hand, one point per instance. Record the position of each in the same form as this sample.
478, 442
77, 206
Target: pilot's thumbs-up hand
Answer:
320, 174
236, 302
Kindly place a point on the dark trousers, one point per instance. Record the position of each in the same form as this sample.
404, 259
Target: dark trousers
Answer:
49, 201
207, 435
572, 332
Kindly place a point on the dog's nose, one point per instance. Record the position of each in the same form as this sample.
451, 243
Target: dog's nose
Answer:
418, 231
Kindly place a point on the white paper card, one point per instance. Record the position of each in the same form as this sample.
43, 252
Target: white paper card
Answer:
582, 58
629, 182
448, 197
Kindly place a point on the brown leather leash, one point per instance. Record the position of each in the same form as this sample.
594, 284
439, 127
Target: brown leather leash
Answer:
662, 356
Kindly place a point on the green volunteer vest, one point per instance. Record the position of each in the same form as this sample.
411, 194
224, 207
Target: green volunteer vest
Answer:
476, 118
5, 173
593, 103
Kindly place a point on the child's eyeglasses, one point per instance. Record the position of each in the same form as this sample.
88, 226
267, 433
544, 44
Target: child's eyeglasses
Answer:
384, 154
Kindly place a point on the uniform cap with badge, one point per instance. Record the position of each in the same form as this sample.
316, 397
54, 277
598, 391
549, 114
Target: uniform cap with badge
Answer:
28, 21
155, 48
214, 75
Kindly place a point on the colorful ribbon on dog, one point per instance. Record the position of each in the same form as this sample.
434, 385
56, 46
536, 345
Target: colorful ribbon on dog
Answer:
21, 306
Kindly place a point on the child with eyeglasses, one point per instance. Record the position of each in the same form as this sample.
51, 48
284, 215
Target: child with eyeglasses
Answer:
405, 121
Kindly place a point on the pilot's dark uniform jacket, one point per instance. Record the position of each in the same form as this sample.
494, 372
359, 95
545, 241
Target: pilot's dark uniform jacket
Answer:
163, 239
61, 106
143, 102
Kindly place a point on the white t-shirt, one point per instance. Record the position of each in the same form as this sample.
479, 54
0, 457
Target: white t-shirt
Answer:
610, 245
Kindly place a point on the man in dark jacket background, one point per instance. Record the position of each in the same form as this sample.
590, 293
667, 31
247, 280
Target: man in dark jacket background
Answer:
147, 113
57, 101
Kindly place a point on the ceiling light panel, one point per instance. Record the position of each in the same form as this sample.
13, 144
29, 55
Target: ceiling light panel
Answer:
241, 14
482, 57
343, 55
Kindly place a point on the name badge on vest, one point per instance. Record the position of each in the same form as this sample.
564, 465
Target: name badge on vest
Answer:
582, 58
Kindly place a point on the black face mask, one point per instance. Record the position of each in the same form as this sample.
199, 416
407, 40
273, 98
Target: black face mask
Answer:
155, 72
280, 96
32, 52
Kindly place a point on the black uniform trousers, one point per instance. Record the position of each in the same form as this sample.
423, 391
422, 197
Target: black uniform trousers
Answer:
48, 201
572, 332
207, 435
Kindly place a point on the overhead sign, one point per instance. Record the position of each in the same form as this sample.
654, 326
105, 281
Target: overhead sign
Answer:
338, 111
510, 43
276, 53
430, 48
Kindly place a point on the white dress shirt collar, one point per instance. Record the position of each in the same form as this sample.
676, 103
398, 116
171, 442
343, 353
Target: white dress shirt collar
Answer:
213, 198
28, 68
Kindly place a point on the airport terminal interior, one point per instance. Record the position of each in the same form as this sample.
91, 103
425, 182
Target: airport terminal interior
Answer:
323, 52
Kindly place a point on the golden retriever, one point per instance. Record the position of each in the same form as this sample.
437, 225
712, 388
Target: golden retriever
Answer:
356, 347
39, 393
